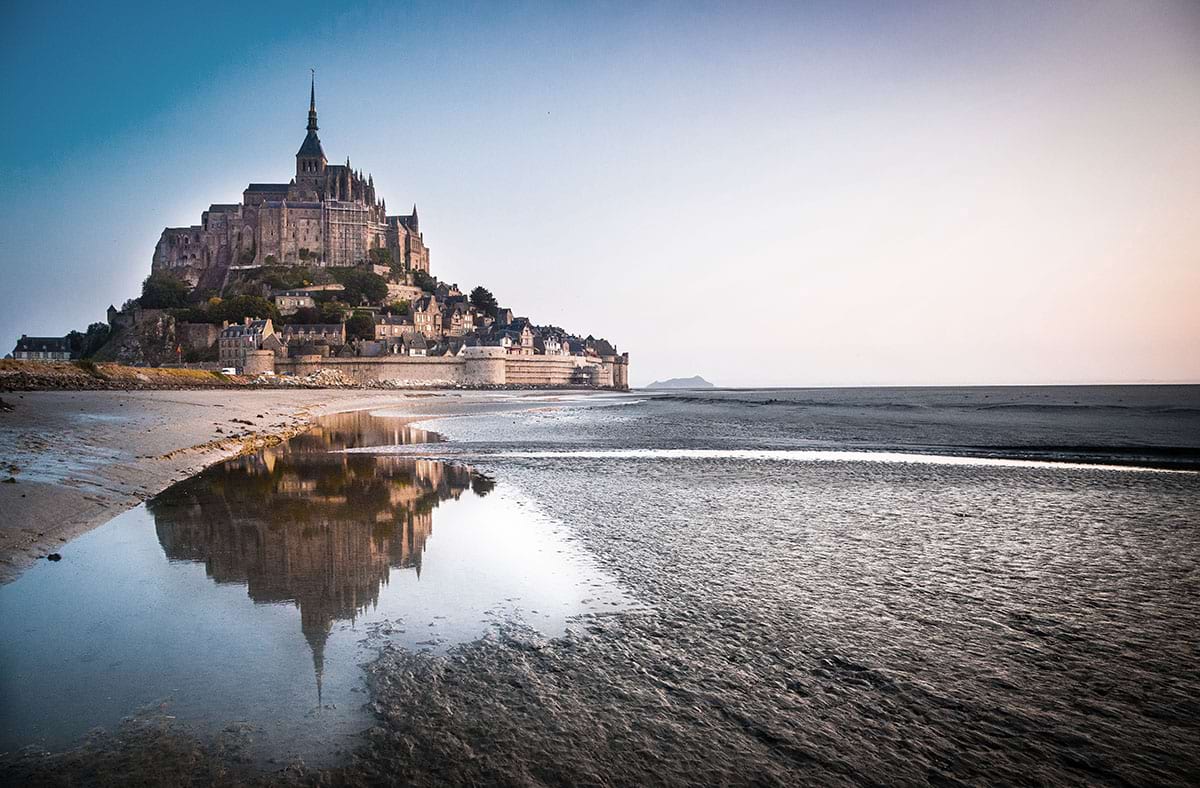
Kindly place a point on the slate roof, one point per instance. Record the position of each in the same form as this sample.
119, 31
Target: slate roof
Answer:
267, 187
311, 147
311, 328
242, 330
602, 348
42, 345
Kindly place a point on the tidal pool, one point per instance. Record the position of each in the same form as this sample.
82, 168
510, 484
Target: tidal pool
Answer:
250, 596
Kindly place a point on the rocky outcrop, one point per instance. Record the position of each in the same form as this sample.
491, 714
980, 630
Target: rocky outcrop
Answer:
149, 342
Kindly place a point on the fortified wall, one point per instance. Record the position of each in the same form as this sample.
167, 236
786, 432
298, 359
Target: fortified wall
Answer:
479, 366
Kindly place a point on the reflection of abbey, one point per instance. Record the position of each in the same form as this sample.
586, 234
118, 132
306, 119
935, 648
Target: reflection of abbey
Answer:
328, 215
308, 525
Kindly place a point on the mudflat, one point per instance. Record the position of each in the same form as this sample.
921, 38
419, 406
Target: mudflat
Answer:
71, 460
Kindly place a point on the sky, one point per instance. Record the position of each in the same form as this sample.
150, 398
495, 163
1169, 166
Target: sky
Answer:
792, 194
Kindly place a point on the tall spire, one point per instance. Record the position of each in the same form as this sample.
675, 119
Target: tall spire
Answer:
310, 159
312, 102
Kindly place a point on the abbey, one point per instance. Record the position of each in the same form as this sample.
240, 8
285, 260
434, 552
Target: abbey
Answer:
327, 215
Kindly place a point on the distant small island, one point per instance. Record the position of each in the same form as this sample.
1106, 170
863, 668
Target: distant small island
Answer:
695, 382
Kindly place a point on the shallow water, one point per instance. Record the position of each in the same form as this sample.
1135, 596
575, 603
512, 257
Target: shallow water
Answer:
874, 616
251, 594
827, 588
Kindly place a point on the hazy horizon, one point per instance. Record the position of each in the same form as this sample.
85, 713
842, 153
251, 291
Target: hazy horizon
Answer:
831, 195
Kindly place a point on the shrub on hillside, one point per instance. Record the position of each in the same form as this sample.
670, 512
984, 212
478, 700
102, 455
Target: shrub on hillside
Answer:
163, 291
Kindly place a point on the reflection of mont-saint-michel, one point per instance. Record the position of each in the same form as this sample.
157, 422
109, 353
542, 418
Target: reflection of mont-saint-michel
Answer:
308, 524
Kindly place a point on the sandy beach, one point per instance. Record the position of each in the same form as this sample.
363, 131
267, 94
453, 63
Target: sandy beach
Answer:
72, 460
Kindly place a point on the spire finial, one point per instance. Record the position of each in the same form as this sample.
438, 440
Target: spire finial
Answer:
312, 102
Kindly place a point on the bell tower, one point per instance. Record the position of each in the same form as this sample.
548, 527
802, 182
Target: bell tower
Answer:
310, 159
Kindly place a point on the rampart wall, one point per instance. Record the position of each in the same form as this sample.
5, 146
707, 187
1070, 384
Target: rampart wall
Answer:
486, 366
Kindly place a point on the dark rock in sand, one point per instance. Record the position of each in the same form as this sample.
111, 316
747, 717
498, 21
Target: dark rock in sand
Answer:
54, 557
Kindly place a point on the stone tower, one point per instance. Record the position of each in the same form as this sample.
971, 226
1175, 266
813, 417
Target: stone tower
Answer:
310, 159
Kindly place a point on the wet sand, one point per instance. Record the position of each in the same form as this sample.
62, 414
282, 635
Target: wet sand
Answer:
78, 458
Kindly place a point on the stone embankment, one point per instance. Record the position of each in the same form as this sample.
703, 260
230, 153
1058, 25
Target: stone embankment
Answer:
86, 375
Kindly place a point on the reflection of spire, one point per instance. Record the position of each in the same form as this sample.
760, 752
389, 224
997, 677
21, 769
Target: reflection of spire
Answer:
316, 641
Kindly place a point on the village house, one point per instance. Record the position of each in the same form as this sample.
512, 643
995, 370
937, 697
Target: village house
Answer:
393, 326
274, 344
315, 333
427, 317
237, 339
288, 302
414, 345
517, 342
451, 346
456, 320
43, 349
552, 344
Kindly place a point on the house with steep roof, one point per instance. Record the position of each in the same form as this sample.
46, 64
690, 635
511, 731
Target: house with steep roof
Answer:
295, 334
414, 345
237, 339
427, 317
456, 320
43, 349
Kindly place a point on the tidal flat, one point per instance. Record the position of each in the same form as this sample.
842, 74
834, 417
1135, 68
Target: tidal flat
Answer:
715, 593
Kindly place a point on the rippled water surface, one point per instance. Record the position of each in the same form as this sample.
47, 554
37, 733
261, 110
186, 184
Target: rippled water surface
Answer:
830, 588
982, 615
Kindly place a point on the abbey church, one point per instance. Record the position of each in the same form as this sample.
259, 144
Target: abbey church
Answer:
328, 215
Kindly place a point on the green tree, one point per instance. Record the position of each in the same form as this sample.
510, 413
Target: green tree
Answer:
483, 300
361, 286
163, 291
380, 256
238, 308
423, 280
305, 315
97, 334
333, 312
75, 342
397, 308
361, 325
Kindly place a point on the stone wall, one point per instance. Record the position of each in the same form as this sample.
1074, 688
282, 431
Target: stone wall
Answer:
196, 336
539, 370
402, 370
480, 366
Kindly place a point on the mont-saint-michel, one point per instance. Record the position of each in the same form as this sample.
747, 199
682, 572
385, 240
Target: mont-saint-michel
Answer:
902, 489
313, 281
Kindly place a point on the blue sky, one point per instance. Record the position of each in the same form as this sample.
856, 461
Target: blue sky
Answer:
764, 194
